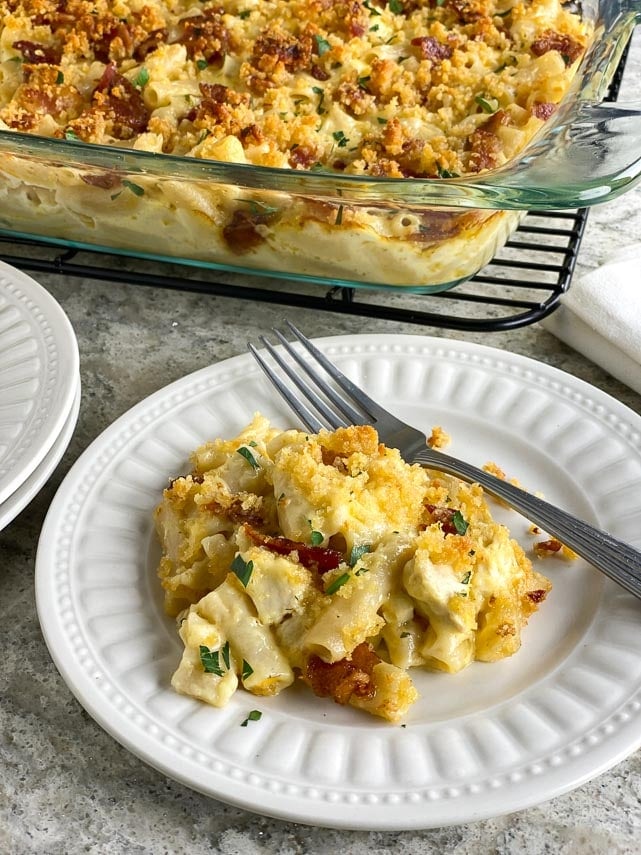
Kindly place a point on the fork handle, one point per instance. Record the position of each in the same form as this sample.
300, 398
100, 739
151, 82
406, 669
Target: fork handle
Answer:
617, 560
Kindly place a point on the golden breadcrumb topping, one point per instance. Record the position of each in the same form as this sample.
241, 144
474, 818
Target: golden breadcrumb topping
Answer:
327, 557
403, 88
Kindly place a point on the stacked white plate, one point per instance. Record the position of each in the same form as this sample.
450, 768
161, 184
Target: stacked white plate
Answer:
39, 388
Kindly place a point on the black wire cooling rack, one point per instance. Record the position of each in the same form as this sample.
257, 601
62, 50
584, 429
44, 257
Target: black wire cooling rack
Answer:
521, 285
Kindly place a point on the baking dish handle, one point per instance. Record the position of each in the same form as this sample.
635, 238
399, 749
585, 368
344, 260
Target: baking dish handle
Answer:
592, 154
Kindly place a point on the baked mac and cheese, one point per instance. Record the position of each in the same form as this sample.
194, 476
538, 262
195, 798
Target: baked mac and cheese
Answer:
397, 89
328, 557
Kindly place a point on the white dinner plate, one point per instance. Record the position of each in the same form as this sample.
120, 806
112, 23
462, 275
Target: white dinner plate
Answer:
20, 498
494, 738
38, 375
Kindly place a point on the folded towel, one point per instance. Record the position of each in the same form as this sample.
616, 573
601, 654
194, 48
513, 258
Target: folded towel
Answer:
600, 316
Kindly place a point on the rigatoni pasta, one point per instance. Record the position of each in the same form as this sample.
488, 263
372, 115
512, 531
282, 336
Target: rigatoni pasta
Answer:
329, 558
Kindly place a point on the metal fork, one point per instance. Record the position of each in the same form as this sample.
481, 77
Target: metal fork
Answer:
615, 559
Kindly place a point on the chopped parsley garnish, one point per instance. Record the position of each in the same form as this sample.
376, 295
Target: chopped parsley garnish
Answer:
371, 9
129, 185
340, 138
225, 654
460, 524
136, 189
247, 669
357, 552
252, 444
260, 209
60, 78
445, 173
244, 14
339, 216
466, 579
363, 82
249, 457
395, 6
381, 120
210, 661
316, 538
70, 135
337, 583
142, 78
440, 2
322, 45
374, 29
254, 715
201, 64
317, 90
243, 569
488, 105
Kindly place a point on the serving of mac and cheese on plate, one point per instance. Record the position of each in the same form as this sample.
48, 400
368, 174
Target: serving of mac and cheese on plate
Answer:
220, 131
328, 558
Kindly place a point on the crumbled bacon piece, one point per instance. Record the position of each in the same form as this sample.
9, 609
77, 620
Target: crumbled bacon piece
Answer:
545, 548
43, 94
537, 596
345, 678
206, 36
469, 11
543, 110
356, 18
444, 516
431, 48
116, 42
36, 53
106, 180
354, 98
240, 233
319, 73
568, 47
320, 558
484, 143
276, 46
219, 94
251, 135
303, 156
150, 43
121, 103
236, 512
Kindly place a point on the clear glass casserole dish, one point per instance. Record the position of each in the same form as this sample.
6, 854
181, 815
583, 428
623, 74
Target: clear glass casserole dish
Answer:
418, 234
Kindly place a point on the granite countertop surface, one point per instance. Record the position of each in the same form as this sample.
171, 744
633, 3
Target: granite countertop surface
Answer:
66, 786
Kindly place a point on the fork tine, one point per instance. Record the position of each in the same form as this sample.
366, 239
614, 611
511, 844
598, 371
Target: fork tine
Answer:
310, 421
371, 408
330, 416
353, 416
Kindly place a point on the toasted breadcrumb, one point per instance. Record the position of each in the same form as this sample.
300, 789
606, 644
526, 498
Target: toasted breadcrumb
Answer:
439, 438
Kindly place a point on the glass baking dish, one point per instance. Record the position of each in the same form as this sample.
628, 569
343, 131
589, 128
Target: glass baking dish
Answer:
420, 235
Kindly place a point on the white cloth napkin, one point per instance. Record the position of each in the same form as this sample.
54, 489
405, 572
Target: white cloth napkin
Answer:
600, 316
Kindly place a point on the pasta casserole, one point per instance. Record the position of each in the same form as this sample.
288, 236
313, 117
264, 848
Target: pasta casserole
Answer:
386, 89
327, 557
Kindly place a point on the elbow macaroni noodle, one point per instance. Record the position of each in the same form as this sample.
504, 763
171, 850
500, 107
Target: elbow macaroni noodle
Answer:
328, 557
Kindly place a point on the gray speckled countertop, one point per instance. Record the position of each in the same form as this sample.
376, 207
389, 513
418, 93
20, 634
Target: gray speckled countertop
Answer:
68, 787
